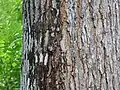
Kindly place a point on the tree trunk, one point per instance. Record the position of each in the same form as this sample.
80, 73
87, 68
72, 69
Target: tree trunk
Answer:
71, 45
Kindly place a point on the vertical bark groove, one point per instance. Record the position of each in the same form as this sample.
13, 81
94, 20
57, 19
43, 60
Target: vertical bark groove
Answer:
71, 45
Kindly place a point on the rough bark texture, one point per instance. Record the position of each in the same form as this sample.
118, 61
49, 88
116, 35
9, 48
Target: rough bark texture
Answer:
71, 45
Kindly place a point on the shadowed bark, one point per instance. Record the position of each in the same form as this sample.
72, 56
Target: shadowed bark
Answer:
71, 45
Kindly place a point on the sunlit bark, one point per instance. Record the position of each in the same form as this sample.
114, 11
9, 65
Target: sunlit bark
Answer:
71, 45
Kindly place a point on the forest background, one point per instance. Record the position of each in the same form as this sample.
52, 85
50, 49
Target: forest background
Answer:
10, 44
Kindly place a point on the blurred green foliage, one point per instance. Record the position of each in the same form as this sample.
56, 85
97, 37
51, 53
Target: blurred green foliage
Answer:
10, 44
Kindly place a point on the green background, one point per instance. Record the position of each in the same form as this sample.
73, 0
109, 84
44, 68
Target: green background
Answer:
10, 44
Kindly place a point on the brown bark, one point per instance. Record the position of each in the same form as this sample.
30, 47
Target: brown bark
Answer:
71, 45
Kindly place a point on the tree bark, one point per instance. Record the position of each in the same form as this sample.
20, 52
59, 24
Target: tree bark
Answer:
71, 45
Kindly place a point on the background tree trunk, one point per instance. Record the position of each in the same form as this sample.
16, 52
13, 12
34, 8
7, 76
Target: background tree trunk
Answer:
71, 45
